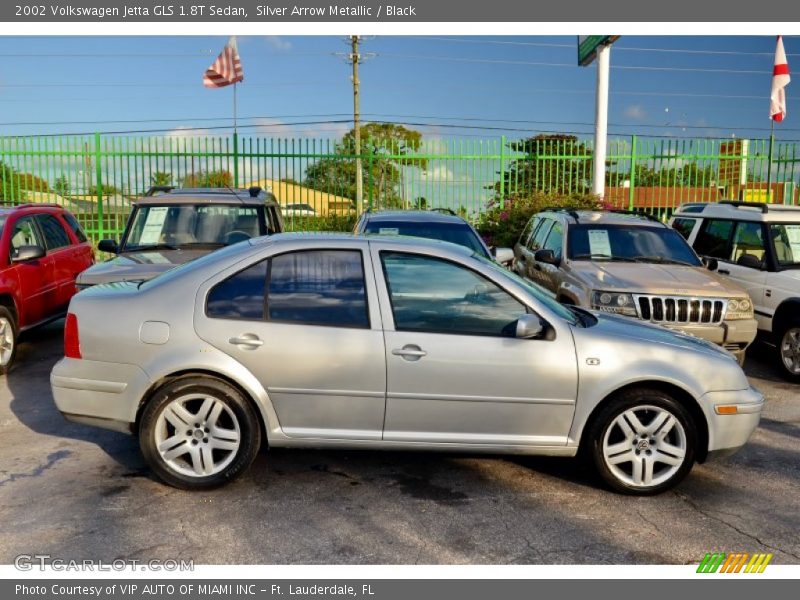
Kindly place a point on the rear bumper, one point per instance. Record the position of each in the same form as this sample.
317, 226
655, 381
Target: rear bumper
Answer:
98, 393
727, 433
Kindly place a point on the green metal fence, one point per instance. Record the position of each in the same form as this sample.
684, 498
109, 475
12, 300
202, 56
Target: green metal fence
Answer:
98, 176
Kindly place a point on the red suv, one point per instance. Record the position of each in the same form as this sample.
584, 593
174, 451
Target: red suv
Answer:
42, 250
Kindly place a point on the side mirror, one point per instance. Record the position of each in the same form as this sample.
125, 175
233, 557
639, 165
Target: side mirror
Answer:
109, 246
546, 256
26, 253
530, 326
504, 256
712, 264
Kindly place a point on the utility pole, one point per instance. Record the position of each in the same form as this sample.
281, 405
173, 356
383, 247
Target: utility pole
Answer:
355, 58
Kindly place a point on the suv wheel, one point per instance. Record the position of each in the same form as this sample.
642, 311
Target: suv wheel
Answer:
199, 433
8, 339
643, 442
788, 343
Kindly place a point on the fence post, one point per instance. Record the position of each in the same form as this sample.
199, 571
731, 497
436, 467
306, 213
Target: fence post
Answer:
502, 171
235, 159
98, 170
369, 173
632, 187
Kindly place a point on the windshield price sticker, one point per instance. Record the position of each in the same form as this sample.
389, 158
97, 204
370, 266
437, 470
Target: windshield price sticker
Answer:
389, 231
151, 232
599, 243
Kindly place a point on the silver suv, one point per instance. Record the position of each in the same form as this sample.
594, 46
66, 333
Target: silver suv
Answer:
758, 247
634, 265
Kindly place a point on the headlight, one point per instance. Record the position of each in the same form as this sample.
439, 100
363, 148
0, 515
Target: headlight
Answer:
620, 304
739, 308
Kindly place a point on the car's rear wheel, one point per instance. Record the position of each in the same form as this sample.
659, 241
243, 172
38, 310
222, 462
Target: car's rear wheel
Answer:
788, 343
8, 339
199, 433
643, 442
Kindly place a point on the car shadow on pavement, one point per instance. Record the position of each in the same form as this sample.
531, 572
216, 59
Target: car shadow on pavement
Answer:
32, 401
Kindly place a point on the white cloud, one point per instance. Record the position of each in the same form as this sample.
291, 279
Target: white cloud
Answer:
635, 112
278, 43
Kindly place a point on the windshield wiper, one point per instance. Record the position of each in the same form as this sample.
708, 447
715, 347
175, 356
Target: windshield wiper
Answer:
603, 257
662, 259
161, 246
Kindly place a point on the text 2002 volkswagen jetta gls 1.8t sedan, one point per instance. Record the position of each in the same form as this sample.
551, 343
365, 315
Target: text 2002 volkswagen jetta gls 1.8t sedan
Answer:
391, 343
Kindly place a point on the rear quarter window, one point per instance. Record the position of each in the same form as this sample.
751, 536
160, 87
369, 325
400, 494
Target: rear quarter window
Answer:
684, 226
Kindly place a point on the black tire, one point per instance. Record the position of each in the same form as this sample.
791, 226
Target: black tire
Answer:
636, 399
780, 340
7, 319
235, 406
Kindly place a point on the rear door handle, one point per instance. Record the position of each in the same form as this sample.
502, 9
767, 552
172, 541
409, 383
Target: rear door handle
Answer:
249, 341
723, 271
410, 352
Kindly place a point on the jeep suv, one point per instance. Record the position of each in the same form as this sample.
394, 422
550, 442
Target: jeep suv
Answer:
634, 265
757, 246
169, 227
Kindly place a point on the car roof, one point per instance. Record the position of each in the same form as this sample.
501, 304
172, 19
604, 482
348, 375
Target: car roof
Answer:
30, 207
414, 216
207, 196
606, 217
321, 238
734, 210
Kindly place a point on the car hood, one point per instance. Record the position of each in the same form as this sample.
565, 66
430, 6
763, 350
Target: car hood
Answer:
625, 327
654, 278
137, 266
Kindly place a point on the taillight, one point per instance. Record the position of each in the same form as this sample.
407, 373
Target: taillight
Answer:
72, 343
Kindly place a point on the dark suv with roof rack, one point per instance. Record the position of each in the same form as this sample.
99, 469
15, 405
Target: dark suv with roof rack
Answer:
170, 226
633, 265
436, 224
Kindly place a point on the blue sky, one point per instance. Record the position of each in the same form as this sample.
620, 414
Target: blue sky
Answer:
441, 80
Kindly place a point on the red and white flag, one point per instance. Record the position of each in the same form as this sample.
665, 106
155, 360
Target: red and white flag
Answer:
780, 78
227, 69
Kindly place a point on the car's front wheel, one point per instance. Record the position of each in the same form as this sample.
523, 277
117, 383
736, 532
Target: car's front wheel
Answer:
8, 339
643, 442
199, 433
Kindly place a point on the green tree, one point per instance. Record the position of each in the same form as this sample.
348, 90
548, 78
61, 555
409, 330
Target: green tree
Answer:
386, 149
420, 203
160, 178
209, 179
10, 190
61, 186
552, 163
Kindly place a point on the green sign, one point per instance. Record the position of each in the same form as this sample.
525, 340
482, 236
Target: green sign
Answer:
588, 45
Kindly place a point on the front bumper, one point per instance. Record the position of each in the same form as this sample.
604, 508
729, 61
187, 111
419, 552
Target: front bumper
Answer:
734, 336
98, 393
727, 433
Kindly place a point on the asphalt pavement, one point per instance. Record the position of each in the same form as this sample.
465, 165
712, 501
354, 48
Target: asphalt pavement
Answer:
77, 493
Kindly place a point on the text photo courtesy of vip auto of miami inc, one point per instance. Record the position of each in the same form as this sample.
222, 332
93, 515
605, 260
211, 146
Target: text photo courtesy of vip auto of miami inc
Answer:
397, 300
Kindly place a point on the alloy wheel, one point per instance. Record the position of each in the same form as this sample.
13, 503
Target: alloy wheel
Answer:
790, 350
6, 341
644, 446
197, 435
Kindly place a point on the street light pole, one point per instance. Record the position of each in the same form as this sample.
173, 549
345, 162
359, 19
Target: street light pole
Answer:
356, 57
601, 120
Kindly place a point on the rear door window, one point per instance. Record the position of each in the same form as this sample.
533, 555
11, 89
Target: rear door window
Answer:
54, 235
714, 239
75, 226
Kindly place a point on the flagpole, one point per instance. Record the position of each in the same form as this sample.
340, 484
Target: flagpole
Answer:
234, 108
235, 142
769, 160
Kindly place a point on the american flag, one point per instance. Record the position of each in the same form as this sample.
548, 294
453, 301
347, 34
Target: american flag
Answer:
227, 69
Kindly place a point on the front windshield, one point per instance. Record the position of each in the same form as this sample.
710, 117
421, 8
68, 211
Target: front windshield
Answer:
786, 242
190, 225
455, 233
536, 291
629, 243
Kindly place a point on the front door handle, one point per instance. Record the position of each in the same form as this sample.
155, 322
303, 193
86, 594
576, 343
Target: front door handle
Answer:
410, 352
723, 272
249, 341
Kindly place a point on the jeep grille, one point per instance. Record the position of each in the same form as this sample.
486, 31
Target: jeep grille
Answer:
679, 309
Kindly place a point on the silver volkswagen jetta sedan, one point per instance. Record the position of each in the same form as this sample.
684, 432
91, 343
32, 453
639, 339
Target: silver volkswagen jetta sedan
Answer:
388, 343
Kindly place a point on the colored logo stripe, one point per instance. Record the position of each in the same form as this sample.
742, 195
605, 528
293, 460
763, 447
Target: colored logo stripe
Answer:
734, 562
